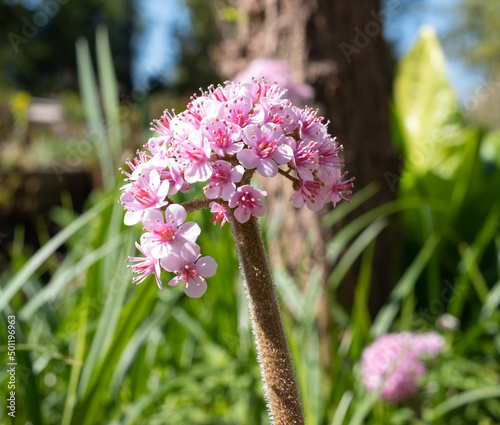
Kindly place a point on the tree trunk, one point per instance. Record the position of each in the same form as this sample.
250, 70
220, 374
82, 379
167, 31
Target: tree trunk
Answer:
337, 47
355, 98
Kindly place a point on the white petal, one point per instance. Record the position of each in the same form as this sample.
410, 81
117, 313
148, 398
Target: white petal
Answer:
133, 217
175, 214
188, 232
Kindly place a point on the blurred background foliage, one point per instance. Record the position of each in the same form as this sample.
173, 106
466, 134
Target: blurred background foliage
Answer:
92, 349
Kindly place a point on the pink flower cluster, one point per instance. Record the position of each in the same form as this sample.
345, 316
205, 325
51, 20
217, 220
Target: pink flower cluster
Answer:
223, 137
392, 364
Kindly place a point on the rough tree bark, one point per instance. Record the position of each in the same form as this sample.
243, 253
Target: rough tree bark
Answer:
336, 46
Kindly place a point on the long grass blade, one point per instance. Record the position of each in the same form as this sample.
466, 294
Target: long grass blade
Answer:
92, 110
403, 288
63, 276
462, 399
342, 408
474, 254
355, 250
109, 90
21, 277
77, 362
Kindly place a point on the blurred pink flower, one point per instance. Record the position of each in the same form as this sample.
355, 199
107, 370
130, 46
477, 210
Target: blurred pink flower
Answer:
428, 344
392, 365
276, 70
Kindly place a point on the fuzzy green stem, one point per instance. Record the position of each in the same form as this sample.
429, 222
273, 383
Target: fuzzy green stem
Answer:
267, 325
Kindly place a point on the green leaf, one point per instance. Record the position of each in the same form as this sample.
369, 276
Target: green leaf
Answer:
92, 109
109, 90
47, 250
403, 288
490, 148
428, 109
462, 399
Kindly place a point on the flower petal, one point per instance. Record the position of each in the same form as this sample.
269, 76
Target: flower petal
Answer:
188, 232
267, 167
248, 158
227, 190
206, 266
242, 214
196, 287
212, 191
175, 214
133, 217
190, 252
175, 281
173, 262
153, 218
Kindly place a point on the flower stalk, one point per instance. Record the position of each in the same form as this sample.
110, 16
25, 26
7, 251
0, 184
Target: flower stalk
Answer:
267, 325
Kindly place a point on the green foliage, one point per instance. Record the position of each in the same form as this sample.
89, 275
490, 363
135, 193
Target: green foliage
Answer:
453, 168
93, 349
477, 33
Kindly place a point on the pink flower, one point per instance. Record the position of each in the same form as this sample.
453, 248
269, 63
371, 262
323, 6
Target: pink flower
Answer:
282, 114
138, 166
191, 268
162, 125
174, 177
199, 109
310, 126
236, 111
224, 137
220, 213
328, 157
428, 344
245, 200
305, 158
392, 365
278, 71
308, 193
194, 155
145, 266
167, 235
335, 187
139, 195
222, 182
158, 146
266, 149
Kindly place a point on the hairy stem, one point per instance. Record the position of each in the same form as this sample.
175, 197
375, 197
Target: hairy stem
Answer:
288, 176
272, 347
